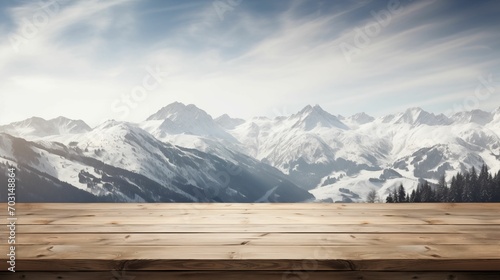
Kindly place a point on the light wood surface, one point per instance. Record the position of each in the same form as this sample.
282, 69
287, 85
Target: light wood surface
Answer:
264, 275
273, 241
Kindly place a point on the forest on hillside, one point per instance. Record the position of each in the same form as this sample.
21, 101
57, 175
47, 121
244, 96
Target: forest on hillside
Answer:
467, 187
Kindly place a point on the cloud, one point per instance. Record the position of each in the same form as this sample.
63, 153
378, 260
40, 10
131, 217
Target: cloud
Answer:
259, 57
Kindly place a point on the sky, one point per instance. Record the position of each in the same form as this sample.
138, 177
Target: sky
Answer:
125, 59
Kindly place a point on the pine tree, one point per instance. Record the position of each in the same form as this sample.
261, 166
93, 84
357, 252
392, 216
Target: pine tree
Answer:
466, 187
401, 194
456, 189
474, 186
418, 194
485, 183
412, 196
442, 190
426, 192
395, 195
496, 187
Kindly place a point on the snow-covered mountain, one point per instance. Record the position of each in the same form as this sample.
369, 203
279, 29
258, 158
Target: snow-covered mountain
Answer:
181, 153
227, 122
37, 127
121, 162
474, 116
315, 117
178, 118
190, 127
329, 156
416, 116
357, 120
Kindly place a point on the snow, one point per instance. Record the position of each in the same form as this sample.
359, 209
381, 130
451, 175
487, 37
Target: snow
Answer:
227, 122
361, 185
36, 128
414, 142
377, 143
61, 168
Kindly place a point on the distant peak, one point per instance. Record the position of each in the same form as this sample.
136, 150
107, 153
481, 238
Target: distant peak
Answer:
418, 116
361, 118
176, 104
178, 109
227, 122
224, 116
314, 116
475, 116
40, 127
310, 109
414, 110
109, 123
362, 114
36, 119
60, 118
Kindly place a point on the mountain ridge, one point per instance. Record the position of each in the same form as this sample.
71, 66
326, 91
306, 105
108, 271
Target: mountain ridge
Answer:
314, 149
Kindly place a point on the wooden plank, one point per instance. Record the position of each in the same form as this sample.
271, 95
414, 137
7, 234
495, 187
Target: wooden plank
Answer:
256, 206
372, 252
246, 275
214, 228
254, 239
57, 213
153, 237
260, 264
235, 219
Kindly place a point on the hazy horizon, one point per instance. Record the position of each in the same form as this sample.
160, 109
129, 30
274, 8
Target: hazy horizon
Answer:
277, 114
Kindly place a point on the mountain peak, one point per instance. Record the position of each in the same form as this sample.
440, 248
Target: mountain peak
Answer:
417, 116
109, 123
310, 109
361, 118
475, 116
314, 116
40, 127
60, 118
185, 119
227, 122
415, 110
178, 110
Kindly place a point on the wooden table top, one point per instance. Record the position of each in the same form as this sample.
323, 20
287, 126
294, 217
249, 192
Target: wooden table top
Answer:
239, 241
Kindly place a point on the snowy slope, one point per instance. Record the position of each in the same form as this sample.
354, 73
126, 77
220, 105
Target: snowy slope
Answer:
124, 162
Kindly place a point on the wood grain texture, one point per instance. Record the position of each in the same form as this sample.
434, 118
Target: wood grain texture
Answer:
257, 239
320, 241
249, 275
218, 227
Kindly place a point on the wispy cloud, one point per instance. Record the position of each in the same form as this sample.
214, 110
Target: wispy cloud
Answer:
264, 55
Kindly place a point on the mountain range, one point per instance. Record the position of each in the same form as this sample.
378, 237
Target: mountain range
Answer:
182, 154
